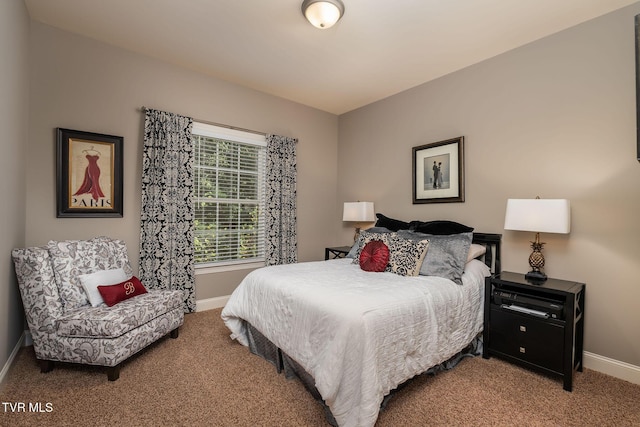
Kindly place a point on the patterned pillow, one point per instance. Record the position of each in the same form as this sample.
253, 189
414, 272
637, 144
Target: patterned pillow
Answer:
406, 255
374, 256
357, 244
363, 238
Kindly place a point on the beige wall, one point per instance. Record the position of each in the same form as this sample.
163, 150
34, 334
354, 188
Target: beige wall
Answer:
555, 118
81, 84
14, 109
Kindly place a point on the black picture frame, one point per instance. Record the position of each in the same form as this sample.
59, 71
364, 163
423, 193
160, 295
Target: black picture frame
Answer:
88, 174
438, 172
637, 43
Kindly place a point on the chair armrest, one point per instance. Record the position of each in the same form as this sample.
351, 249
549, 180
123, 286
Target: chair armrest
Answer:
38, 288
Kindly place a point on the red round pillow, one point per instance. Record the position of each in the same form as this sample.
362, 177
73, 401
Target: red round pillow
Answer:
374, 256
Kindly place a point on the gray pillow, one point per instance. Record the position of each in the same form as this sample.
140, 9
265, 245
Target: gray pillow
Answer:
446, 255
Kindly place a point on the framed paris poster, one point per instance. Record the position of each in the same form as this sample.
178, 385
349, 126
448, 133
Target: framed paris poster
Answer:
89, 174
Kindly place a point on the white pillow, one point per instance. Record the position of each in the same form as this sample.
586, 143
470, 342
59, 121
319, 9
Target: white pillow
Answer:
90, 283
475, 251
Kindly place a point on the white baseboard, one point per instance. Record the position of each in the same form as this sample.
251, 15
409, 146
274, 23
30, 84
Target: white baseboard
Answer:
615, 368
12, 356
211, 303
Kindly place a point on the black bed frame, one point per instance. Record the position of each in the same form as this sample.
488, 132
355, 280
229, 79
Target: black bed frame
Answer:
492, 257
261, 346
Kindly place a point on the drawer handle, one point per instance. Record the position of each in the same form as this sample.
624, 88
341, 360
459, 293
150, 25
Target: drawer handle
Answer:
523, 350
523, 328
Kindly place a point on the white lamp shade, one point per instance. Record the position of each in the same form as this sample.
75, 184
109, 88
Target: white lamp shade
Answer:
538, 215
322, 14
358, 212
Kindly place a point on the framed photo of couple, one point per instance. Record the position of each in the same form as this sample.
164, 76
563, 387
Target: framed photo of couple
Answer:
89, 174
438, 172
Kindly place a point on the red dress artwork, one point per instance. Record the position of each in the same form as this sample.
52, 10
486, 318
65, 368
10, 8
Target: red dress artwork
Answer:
91, 183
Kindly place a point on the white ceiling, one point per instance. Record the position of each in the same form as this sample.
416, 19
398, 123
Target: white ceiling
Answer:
378, 48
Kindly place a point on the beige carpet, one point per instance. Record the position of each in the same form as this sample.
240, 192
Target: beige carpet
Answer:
205, 379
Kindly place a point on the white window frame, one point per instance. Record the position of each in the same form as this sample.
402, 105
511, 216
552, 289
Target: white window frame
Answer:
234, 135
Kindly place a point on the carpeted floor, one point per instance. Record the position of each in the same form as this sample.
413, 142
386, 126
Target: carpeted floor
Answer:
205, 379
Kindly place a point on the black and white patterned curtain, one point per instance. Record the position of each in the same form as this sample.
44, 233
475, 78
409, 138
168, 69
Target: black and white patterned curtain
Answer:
281, 233
166, 236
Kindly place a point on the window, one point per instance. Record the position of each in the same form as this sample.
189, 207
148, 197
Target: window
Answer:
229, 176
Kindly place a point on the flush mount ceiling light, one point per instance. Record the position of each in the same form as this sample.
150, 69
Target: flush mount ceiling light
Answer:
322, 13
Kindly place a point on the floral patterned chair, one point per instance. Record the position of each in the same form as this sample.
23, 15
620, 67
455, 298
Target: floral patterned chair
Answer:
66, 327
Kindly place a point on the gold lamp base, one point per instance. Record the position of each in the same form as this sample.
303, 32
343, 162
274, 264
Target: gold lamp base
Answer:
536, 261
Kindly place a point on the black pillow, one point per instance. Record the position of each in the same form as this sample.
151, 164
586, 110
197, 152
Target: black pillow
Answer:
390, 223
440, 227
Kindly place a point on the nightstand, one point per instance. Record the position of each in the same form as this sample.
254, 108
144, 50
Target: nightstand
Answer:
538, 326
336, 252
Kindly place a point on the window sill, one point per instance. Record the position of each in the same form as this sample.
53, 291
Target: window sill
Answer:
228, 267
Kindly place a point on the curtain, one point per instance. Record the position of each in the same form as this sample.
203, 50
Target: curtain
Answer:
281, 246
166, 232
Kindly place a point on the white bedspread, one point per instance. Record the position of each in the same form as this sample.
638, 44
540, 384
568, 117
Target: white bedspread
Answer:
359, 334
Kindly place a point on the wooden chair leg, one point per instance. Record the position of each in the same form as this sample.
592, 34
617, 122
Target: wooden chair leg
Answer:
174, 333
113, 372
46, 366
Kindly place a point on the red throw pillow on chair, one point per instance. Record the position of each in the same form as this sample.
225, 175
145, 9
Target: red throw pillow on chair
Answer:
114, 294
374, 256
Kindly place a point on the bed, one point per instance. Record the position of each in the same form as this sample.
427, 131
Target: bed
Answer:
354, 336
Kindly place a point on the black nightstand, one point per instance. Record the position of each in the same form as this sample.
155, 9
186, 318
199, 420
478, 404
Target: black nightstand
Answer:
336, 252
538, 326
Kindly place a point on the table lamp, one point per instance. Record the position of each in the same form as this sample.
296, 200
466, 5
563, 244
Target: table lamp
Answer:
540, 216
358, 212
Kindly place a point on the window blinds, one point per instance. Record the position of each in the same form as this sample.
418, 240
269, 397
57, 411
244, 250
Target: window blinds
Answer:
229, 172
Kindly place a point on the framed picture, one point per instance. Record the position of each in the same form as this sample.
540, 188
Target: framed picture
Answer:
438, 172
89, 174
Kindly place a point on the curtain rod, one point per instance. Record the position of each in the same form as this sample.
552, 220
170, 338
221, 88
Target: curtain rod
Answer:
143, 108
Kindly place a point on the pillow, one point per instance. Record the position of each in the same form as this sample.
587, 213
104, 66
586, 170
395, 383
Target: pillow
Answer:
354, 248
364, 237
440, 227
91, 281
475, 251
114, 294
374, 256
390, 223
378, 230
447, 254
406, 255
